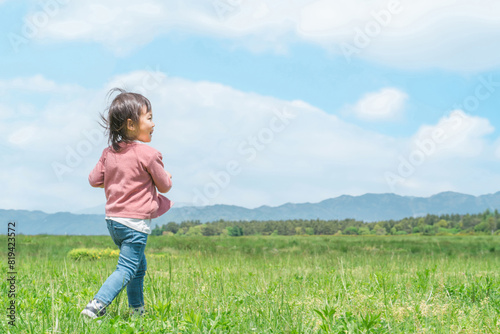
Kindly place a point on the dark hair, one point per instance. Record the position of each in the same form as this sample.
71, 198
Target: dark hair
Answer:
124, 106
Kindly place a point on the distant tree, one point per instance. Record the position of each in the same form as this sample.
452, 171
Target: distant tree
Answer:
172, 227
429, 230
194, 230
379, 229
486, 222
403, 225
234, 231
309, 231
157, 230
209, 230
299, 230
431, 219
467, 222
482, 227
351, 230
364, 231
492, 224
442, 223
189, 223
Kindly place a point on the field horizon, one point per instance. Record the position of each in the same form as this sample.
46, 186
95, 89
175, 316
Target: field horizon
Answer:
367, 208
266, 284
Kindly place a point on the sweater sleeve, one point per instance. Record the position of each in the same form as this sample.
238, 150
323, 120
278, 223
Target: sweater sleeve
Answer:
96, 176
164, 204
160, 177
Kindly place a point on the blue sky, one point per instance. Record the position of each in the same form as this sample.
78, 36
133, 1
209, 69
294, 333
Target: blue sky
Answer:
256, 103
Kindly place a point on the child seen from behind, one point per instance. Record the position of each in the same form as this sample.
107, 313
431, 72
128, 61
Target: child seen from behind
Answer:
131, 174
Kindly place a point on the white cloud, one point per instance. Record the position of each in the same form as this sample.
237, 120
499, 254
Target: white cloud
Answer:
64, 110
457, 134
428, 33
386, 104
36, 83
413, 34
227, 146
200, 128
451, 155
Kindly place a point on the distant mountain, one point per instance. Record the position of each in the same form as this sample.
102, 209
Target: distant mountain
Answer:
99, 209
368, 207
38, 222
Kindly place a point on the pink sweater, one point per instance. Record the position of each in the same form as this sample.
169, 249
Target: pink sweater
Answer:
130, 179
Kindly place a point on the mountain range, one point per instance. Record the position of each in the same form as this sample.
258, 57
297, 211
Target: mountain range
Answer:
368, 207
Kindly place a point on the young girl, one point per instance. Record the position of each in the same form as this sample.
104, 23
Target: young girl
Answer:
130, 173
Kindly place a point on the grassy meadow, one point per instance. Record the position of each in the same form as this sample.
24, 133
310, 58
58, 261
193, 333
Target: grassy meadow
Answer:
265, 284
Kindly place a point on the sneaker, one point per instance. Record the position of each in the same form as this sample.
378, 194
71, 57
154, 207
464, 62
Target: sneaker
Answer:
94, 309
137, 311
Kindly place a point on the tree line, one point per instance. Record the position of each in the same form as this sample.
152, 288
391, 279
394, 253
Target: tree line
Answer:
482, 223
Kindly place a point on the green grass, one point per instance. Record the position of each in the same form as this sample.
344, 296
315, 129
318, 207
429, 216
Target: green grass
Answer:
314, 284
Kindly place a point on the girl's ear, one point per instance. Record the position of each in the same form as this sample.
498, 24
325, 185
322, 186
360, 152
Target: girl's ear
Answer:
130, 125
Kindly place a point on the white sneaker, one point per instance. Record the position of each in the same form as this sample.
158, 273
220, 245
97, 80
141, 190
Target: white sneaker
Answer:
137, 311
94, 309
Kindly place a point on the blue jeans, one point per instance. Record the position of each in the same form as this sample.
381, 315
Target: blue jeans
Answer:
131, 266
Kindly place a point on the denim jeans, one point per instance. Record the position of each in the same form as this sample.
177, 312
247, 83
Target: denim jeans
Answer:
131, 266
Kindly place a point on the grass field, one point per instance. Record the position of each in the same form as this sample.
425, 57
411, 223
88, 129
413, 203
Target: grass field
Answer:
309, 284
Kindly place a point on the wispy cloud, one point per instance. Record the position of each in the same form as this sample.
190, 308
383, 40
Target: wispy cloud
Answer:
37, 83
414, 34
385, 105
452, 154
226, 146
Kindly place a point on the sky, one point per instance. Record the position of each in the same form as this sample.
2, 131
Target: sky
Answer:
260, 102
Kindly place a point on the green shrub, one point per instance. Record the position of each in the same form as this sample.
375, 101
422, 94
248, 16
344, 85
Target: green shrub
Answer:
93, 253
